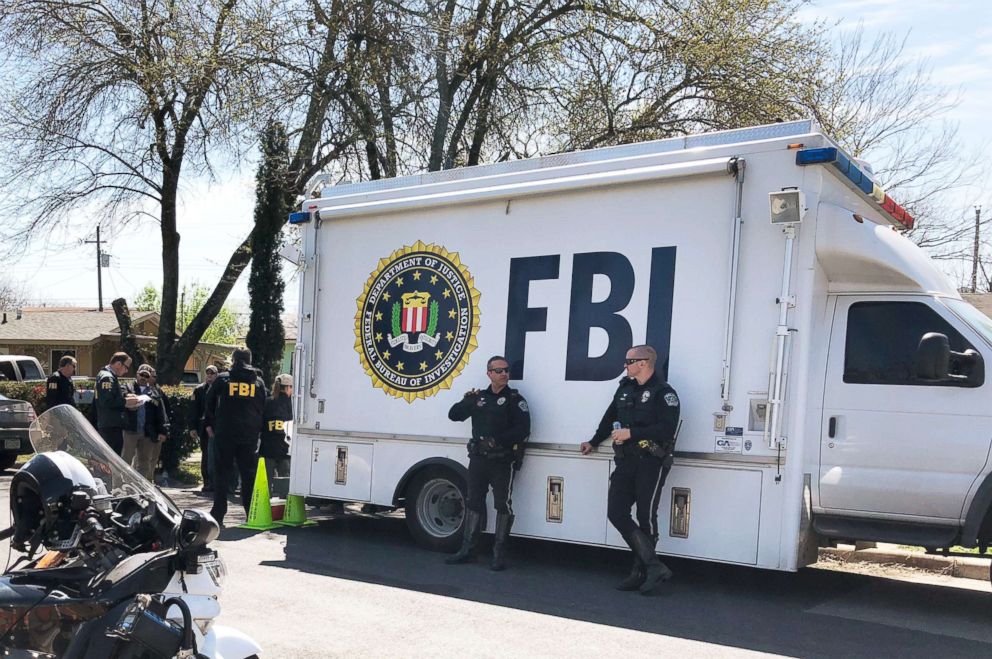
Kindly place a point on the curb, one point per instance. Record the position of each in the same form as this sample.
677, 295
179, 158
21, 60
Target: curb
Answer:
955, 566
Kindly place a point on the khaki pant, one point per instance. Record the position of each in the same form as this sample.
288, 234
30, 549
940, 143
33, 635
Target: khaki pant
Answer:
131, 440
147, 457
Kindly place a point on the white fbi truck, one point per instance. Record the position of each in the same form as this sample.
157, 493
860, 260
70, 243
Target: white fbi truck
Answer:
832, 381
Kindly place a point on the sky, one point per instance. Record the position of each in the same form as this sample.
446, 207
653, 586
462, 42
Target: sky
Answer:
954, 36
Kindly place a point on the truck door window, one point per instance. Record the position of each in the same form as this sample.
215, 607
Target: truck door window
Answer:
7, 371
29, 370
882, 338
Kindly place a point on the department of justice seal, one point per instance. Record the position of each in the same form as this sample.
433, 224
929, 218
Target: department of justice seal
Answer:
417, 321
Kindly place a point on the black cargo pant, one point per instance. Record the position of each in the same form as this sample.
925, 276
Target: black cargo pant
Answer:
232, 455
206, 469
638, 479
483, 473
114, 438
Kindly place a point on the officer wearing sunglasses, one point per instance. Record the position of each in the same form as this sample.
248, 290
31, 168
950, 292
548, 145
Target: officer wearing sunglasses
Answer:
642, 420
500, 426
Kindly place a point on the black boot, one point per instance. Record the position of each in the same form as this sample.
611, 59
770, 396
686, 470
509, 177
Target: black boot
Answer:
470, 536
504, 521
655, 571
636, 576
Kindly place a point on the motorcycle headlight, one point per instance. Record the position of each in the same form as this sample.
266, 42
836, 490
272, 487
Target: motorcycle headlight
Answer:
215, 567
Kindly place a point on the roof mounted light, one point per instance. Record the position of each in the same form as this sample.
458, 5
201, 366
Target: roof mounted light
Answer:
858, 177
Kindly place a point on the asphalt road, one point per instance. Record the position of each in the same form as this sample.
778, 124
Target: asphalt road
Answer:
357, 586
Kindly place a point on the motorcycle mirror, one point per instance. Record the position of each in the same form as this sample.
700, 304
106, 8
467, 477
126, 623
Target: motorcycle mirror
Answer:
197, 529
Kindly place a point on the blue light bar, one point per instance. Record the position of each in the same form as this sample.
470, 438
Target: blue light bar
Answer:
301, 217
816, 156
860, 179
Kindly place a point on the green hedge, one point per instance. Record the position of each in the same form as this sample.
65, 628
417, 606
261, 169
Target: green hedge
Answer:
179, 446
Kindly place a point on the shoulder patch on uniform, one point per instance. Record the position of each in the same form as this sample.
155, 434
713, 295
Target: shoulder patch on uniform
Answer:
671, 400
523, 406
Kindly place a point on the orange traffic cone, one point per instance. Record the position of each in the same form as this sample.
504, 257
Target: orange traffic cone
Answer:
260, 513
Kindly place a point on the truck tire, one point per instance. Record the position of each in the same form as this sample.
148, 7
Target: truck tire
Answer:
435, 508
7, 460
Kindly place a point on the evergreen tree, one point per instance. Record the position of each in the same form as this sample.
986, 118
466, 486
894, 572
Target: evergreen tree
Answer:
273, 201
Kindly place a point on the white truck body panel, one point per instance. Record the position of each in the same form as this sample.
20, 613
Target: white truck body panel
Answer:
660, 219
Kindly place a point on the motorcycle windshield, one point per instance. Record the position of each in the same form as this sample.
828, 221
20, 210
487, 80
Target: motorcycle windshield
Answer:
64, 428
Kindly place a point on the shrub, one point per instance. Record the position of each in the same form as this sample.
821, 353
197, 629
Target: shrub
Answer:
179, 445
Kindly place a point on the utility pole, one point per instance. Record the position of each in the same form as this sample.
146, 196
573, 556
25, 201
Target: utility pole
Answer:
99, 264
974, 254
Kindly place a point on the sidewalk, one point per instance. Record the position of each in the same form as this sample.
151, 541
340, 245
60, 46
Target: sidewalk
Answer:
886, 554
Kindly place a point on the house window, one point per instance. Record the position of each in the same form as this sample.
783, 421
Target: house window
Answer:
57, 356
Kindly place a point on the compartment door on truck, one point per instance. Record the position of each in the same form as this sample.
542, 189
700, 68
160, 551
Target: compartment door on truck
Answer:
892, 443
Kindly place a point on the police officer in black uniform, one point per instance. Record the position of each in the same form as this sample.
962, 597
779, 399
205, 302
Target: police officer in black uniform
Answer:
233, 419
59, 389
642, 421
500, 426
109, 400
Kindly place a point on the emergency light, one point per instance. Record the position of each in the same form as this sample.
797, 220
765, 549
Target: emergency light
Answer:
300, 217
859, 178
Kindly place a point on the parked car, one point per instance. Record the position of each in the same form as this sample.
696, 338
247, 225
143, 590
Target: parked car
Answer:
18, 368
190, 379
15, 419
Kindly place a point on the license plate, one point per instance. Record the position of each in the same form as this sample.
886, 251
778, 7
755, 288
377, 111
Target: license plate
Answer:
12, 443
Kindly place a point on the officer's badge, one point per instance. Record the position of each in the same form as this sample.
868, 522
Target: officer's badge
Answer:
671, 400
416, 322
501, 400
523, 406
646, 396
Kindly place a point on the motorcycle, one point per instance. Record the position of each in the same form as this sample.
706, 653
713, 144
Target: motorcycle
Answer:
109, 566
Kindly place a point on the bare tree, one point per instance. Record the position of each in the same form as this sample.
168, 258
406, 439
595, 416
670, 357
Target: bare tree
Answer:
109, 102
889, 110
13, 295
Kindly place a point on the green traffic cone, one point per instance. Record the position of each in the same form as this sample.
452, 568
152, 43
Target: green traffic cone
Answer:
260, 513
295, 513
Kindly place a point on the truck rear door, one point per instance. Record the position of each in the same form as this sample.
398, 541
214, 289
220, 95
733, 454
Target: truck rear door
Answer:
891, 443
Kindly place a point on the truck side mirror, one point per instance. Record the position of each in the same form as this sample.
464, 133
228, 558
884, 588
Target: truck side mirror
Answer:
971, 365
933, 357
936, 362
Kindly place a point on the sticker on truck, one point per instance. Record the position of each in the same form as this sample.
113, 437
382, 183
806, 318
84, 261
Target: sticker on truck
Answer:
417, 321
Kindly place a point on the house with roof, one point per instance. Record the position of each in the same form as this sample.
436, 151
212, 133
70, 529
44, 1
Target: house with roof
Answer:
981, 301
89, 335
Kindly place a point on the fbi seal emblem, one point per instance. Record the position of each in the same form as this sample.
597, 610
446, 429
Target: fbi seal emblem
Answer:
417, 321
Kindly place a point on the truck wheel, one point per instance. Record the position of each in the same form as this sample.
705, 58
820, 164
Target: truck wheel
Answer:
7, 460
435, 507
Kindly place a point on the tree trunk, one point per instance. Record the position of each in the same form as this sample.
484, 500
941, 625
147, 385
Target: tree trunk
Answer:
129, 343
169, 365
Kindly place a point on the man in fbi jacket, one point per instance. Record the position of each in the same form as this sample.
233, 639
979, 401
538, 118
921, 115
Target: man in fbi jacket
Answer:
59, 389
233, 420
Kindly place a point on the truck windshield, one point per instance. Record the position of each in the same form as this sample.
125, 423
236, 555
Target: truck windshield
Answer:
975, 318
